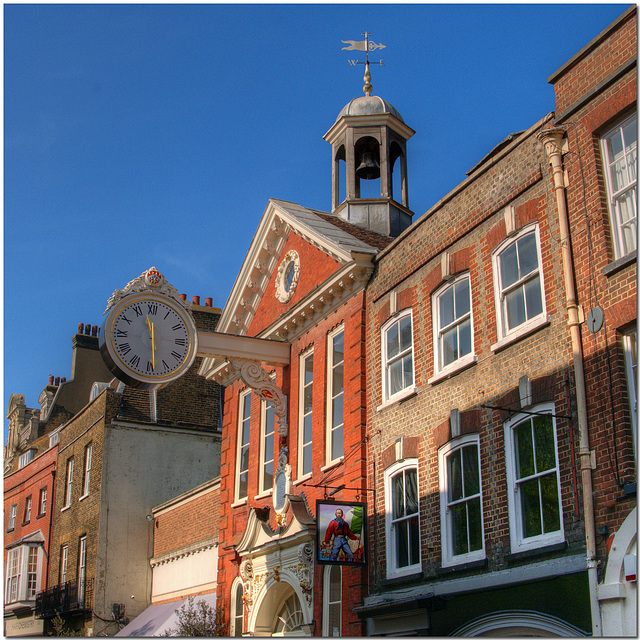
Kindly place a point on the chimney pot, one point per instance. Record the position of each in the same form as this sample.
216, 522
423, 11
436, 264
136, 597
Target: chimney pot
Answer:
80, 327
183, 296
208, 302
94, 330
51, 380
57, 381
196, 300
63, 379
87, 329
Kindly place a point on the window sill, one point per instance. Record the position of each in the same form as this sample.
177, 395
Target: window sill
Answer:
451, 567
411, 576
40, 515
333, 464
65, 508
264, 494
534, 552
239, 503
302, 479
82, 497
521, 332
11, 529
405, 394
454, 368
26, 522
620, 263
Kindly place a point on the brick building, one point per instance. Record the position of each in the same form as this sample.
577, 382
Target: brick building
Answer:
480, 416
120, 451
595, 142
30, 461
185, 558
297, 312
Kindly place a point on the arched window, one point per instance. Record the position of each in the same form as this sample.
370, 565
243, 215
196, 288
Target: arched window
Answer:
237, 610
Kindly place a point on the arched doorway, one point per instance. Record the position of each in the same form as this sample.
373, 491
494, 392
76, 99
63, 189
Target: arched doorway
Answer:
280, 612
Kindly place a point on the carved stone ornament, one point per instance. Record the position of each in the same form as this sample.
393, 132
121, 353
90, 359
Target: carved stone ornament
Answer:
303, 570
281, 481
254, 376
151, 280
288, 275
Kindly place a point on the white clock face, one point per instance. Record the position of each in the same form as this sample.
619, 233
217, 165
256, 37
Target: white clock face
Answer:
150, 339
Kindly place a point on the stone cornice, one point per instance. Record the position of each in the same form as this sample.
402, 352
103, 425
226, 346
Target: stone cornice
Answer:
172, 556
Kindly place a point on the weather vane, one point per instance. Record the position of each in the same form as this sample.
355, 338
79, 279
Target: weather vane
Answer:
365, 45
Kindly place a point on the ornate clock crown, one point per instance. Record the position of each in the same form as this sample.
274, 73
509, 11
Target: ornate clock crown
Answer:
151, 280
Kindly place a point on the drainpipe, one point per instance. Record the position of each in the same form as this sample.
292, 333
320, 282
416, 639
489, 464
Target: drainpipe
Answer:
552, 140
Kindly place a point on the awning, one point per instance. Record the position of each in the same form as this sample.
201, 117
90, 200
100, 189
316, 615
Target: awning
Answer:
159, 618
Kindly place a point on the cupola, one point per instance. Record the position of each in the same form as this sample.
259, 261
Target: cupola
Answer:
369, 155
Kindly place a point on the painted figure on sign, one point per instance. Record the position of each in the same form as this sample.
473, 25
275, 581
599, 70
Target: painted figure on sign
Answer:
339, 529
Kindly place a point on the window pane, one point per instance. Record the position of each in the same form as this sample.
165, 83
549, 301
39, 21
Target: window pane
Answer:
307, 461
411, 488
395, 377
338, 348
534, 297
524, 450
338, 380
414, 541
462, 298
459, 529
464, 338
514, 301
402, 546
449, 346
455, 475
407, 363
446, 308
336, 408
544, 443
308, 399
308, 370
405, 333
308, 424
471, 474
393, 341
528, 254
508, 266
475, 524
335, 585
531, 520
397, 488
337, 445
550, 506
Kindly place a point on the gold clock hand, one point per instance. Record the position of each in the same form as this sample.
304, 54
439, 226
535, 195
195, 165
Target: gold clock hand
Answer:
153, 342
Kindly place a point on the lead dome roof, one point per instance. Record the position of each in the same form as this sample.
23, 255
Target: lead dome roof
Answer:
367, 106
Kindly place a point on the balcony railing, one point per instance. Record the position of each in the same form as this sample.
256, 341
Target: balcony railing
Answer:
74, 595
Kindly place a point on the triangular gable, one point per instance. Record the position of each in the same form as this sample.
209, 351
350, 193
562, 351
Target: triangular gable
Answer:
344, 259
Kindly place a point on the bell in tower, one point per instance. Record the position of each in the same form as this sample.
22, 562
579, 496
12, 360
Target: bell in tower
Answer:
369, 143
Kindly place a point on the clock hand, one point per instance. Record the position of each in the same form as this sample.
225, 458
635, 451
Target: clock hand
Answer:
153, 342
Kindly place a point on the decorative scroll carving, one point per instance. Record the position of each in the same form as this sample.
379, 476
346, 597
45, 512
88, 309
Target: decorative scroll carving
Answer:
150, 280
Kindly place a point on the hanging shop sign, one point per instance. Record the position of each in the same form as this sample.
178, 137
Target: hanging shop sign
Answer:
341, 531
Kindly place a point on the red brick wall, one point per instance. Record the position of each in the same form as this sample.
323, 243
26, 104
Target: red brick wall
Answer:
615, 291
193, 520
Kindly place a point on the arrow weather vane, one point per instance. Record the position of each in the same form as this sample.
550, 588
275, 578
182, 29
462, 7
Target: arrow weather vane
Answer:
364, 45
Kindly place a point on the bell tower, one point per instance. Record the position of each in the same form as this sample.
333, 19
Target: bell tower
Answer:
369, 151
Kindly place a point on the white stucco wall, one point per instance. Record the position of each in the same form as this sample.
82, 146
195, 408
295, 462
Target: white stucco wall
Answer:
142, 467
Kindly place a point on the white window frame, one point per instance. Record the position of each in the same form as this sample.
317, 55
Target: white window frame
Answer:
387, 397
630, 189
23, 576
82, 568
64, 563
42, 503
302, 416
243, 421
328, 603
441, 371
331, 367
630, 345
68, 486
13, 514
86, 479
267, 415
27, 510
507, 335
26, 458
33, 572
393, 571
518, 541
235, 617
446, 524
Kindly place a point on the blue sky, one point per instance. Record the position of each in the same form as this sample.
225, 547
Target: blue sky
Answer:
154, 134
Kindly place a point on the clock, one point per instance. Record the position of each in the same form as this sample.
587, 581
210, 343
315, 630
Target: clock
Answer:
148, 339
